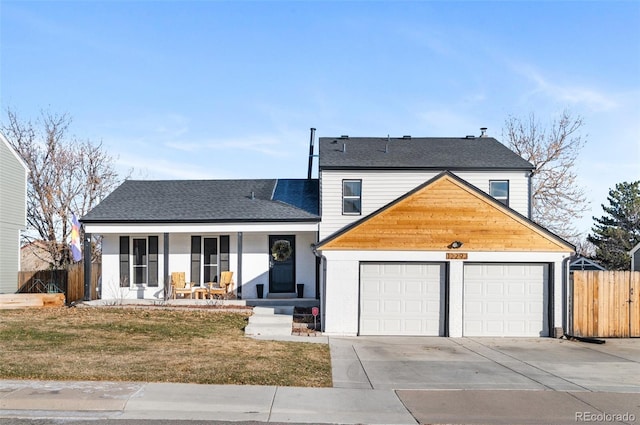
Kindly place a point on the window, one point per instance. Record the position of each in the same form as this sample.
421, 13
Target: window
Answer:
210, 260
352, 197
499, 189
209, 257
140, 259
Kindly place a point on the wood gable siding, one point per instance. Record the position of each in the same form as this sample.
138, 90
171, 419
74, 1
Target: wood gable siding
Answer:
440, 212
379, 187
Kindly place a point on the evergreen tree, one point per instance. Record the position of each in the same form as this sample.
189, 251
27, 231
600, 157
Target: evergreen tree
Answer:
617, 232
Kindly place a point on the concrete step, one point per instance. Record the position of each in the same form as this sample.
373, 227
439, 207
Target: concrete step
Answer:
270, 321
273, 319
275, 309
255, 329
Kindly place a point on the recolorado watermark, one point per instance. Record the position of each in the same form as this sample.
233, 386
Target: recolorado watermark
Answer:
603, 417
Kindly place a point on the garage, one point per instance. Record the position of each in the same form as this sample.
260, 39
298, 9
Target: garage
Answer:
506, 300
402, 299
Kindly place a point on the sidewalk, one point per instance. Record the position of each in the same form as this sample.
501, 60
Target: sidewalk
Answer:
159, 401
115, 400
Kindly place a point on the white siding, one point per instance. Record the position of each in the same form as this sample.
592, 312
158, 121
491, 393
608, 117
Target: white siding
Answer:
255, 263
382, 187
343, 282
13, 181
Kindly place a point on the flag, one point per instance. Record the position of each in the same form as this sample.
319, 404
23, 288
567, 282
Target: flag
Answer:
76, 250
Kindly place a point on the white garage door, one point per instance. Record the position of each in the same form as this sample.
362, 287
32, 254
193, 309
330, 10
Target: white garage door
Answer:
401, 299
505, 299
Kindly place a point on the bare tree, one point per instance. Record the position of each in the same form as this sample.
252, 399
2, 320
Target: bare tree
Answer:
557, 198
66, 175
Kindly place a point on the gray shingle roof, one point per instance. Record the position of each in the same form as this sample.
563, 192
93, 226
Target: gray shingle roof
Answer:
208, 201
441, 153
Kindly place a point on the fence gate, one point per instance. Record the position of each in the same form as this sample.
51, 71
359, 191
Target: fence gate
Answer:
605, 304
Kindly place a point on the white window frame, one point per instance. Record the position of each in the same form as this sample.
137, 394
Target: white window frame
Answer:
502, 199
351, 197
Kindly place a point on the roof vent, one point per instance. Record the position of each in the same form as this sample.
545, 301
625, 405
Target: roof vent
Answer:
344, 147
483, 131
253, 195
344, 136
470, 136
406, 136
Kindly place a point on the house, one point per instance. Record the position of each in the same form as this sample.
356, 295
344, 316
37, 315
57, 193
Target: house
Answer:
203, 227
432, 236
35, 256
13, 214
397, 236
582, 263
635, 258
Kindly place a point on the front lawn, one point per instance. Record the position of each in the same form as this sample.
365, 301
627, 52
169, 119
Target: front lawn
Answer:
152, 345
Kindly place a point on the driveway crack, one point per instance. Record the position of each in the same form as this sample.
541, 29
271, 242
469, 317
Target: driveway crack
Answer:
362, 366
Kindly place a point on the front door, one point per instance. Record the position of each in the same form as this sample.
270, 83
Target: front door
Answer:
282, 263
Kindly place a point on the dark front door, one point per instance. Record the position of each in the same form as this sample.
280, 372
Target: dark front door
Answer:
282, 263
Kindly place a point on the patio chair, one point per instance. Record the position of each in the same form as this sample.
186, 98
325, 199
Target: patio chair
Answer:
223, 288
178, 285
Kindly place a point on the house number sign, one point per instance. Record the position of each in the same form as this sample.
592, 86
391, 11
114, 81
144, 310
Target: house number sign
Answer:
457, 255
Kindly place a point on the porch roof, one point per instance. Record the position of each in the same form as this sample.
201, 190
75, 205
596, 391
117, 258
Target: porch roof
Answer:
209, 201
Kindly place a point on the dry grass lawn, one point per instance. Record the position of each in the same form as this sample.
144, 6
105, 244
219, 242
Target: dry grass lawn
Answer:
152, 345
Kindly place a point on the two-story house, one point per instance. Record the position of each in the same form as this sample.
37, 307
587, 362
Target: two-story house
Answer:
397, 236
13, 214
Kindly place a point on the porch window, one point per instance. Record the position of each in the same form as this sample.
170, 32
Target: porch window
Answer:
209, 257
352, 197
140, 259
210, 260
499, 189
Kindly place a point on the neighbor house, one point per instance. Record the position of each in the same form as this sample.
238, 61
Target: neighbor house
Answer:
635, 258
397, 236
13, 214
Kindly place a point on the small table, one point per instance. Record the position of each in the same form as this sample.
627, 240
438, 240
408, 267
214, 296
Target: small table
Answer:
198, 292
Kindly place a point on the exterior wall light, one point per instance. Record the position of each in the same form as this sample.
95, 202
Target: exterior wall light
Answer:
456, 244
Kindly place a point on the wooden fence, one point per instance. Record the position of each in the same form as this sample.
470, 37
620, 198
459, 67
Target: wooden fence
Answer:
605, 304
70, 281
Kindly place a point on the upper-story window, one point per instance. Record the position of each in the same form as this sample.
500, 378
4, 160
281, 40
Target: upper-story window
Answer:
499, 189
352, 197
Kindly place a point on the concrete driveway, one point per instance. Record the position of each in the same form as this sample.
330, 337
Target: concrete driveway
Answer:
485, 364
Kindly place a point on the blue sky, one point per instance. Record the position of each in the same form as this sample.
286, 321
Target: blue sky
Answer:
220, 89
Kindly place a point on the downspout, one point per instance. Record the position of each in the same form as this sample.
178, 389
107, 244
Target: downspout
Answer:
323, 285
530, 189
567, 296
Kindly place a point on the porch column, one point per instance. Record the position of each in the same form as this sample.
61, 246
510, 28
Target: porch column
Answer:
165, 253
239, 274
87, 267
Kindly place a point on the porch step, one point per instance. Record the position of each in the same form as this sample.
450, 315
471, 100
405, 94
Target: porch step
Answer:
282, 295
270, 321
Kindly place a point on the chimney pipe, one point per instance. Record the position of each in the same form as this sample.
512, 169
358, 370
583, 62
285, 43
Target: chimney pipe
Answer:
344, 147
483, 131
312, 137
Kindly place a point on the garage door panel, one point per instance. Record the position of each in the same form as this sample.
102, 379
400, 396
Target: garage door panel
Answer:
410, 302
505, 300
